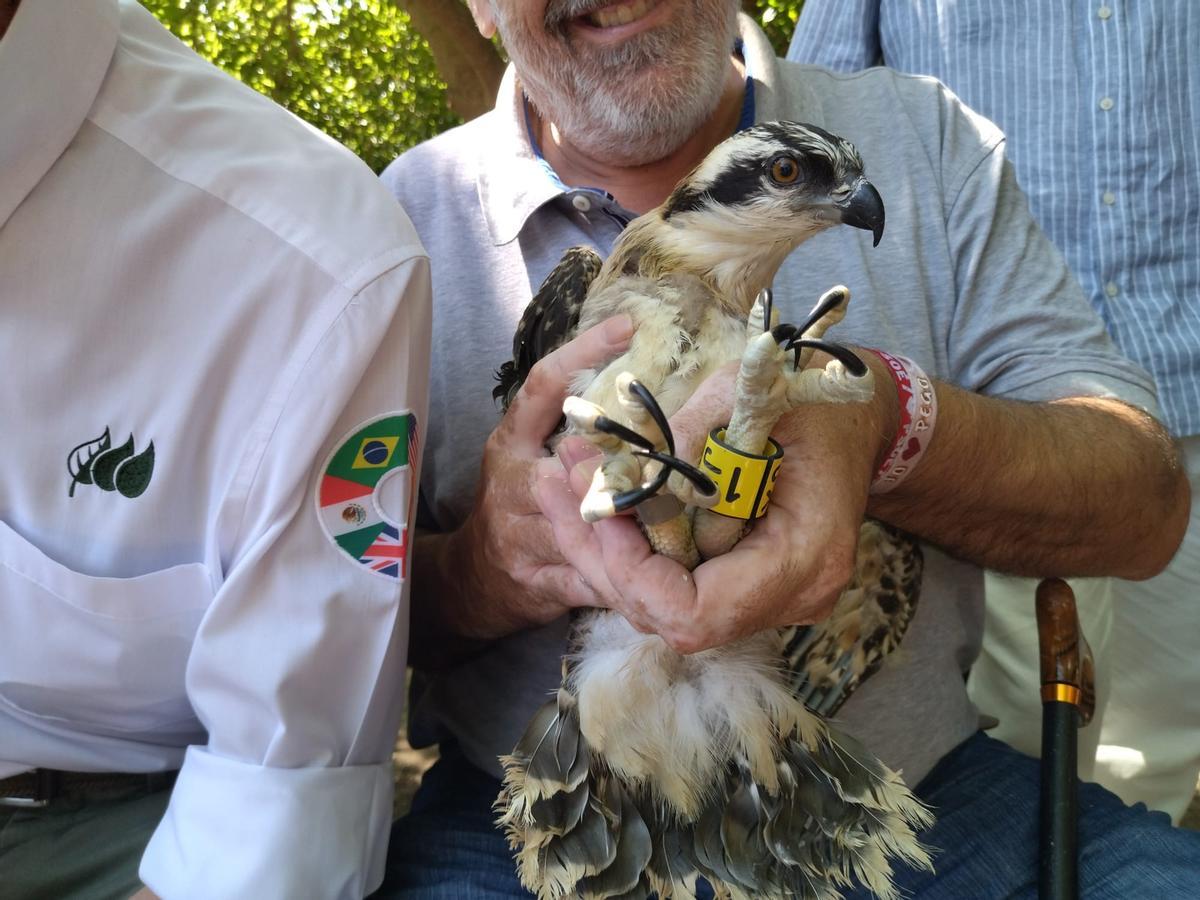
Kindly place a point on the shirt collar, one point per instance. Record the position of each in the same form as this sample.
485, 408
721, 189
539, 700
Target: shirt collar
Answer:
514, 181
52, 63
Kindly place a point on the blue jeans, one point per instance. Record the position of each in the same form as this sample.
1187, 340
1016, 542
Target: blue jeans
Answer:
985, 795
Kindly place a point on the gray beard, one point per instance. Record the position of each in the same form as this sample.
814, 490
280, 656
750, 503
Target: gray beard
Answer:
600, 105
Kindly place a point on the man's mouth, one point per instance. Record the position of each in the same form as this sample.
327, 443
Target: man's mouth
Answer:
619, 13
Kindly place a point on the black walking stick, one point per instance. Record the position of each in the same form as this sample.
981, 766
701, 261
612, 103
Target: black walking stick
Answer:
1068, 700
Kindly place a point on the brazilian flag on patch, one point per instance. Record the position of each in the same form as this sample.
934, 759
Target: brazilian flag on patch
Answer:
348, 500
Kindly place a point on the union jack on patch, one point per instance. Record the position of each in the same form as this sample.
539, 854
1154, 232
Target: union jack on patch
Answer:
387, 554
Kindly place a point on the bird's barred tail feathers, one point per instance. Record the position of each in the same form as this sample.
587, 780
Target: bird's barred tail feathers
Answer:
837, 818
575, 830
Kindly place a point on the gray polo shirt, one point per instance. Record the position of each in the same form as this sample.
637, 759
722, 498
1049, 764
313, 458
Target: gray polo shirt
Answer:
963, 282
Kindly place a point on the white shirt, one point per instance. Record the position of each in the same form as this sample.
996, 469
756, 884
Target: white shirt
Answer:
183, 264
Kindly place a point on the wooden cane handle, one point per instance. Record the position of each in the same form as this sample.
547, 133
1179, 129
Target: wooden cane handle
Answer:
1067, 666
1087, 675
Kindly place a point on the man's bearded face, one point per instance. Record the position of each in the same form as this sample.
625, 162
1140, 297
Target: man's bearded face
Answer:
625, 92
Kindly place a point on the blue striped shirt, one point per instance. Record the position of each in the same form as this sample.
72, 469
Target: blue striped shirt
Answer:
1100, 100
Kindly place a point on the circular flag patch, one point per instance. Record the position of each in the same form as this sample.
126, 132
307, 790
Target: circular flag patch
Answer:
376, 461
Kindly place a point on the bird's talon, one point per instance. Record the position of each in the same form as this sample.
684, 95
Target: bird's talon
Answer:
765, 302
639, 392
607, 497
629, 499
597, 505
581, 413
843, 354
705, 485
614, 428
784, 335
829, 310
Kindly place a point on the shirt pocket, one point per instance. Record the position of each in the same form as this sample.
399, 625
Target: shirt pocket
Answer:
104, 656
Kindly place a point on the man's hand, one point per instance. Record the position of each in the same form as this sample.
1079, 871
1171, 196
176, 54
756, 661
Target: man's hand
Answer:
1081, 486
790, 569
144, 894
502, 570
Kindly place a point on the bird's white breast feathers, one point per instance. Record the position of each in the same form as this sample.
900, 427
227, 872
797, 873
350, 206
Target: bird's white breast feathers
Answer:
680, 339
676, 722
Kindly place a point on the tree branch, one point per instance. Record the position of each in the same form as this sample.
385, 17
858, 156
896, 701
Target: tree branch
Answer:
468, 63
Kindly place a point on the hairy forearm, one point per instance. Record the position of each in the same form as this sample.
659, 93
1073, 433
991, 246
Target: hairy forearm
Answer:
1075, 487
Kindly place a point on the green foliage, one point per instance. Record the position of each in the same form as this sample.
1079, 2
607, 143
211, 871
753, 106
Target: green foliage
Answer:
777, 18
353, 68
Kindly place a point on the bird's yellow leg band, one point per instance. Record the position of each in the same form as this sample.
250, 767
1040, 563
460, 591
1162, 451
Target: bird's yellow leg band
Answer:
744, 480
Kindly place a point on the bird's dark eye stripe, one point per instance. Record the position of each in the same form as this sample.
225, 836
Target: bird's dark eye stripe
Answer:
743, 175
733, 186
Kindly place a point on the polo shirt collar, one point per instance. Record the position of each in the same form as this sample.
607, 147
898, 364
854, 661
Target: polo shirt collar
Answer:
52, 62
514, 181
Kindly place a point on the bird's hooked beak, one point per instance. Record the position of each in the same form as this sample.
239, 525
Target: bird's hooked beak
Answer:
864, 209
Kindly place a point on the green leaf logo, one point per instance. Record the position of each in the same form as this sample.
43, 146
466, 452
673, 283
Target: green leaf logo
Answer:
132, 476
110, 468
79, 460
104, 467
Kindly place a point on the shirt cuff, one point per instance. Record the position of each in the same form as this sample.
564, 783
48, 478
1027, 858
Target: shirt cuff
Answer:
234, 829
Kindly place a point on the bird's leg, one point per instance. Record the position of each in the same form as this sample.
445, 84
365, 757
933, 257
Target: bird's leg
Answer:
667, 525
767, 387
619, 471
635, 468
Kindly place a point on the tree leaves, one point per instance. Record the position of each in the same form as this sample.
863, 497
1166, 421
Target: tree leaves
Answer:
355, 69
358, 70
777, 18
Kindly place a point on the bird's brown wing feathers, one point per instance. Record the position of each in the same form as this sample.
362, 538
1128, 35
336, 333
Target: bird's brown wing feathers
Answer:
550, 318
829, 660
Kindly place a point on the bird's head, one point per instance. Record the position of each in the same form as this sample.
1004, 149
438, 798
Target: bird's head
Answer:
758, 195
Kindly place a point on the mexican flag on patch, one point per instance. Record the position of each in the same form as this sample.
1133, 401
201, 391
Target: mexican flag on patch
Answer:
368, 473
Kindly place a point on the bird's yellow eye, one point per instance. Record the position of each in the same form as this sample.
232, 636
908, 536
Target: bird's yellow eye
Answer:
784, 169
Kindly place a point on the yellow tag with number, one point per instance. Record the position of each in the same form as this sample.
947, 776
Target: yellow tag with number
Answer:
744, 480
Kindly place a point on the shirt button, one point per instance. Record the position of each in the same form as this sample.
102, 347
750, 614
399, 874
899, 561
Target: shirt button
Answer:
1104, 12
1106, 103
1109, 198
581, 203
1111, 289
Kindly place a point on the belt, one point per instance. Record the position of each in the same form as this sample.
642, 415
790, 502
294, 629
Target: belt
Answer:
38, 787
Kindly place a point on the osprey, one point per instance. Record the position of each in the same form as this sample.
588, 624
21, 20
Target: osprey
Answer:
649, 768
